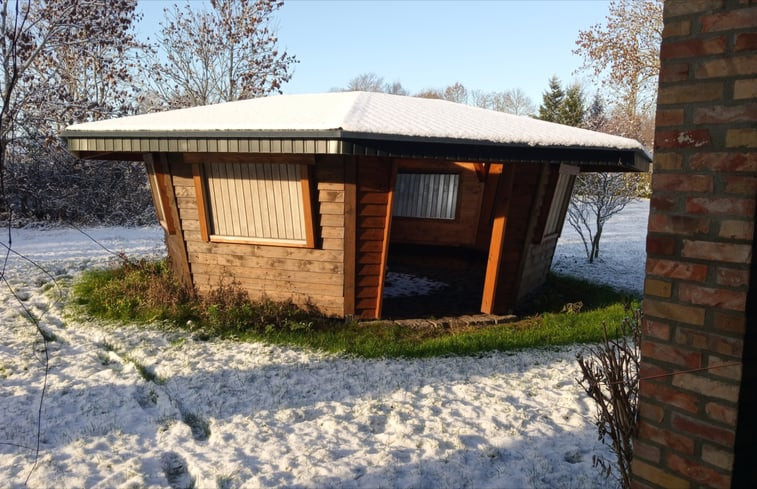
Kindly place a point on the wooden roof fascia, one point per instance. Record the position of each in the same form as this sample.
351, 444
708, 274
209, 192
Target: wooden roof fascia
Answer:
91, 146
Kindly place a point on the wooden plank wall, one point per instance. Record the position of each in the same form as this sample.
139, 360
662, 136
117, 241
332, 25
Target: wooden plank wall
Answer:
312, 276
374, 183
460, 231
526, 180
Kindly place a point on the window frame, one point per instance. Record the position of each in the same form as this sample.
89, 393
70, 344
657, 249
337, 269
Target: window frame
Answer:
438, 220
558, 207
202, 191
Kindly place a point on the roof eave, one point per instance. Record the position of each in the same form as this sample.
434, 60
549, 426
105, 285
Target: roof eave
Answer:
101, 144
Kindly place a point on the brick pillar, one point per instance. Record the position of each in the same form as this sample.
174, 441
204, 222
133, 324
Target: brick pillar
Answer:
699, 246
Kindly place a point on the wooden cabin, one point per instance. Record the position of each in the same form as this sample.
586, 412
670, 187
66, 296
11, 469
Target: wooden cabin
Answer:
300, 196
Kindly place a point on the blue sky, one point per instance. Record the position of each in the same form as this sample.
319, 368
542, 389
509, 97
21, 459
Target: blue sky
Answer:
486, 45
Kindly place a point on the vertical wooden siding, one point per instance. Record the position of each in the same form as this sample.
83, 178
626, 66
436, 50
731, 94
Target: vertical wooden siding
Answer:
312, 276
260, 200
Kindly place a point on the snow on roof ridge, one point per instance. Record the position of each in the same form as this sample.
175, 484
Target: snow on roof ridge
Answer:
366, 113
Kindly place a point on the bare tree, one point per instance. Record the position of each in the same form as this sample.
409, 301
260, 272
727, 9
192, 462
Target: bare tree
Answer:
366, 82
227, 52
596, 198
624, 53
63, 61
433, 93
513, 101
456, 93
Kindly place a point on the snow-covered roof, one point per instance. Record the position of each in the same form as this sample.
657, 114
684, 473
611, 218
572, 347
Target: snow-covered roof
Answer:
353, 116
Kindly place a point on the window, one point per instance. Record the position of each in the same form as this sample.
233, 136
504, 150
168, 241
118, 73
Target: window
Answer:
264, 203
426, 195
560, 200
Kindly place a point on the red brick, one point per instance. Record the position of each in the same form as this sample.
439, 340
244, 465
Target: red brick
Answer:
682, 357
699, 472
724, 345
646, 452
720, 206
677, 224
676, 269
671, 73
658, 288
724, 367
655, 329
682, 182
649, 371
734, 19
722, 114
737, 229
662, 203
732, 162
723, 414
725, 252
717, 456
695, 138
651, 412
674, 8
676, 28
741, 138
684, 94
671, 397
729, 322
702, 429
669, 117
660, 245
708, 340
656, 475
667, 161
743, 89
707, 387
666, 438
675, 312
712, 297
692, 338
693, 48
732, 277
746, 41
741, 185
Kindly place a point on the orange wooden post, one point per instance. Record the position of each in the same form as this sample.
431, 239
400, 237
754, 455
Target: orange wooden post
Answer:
496, 246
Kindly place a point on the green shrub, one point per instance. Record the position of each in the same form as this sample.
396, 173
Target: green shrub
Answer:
146, 291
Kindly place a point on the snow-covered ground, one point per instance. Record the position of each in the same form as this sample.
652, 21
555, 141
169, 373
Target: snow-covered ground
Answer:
225, 415
622, 251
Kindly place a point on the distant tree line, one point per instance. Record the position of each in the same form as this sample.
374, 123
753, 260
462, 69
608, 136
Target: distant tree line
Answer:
69, 61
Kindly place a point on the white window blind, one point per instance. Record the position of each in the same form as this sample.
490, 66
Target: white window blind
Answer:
559, 205
426, 195
256, 201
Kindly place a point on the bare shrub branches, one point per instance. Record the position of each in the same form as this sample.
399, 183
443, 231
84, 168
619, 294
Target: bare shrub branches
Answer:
596, 198
611, 378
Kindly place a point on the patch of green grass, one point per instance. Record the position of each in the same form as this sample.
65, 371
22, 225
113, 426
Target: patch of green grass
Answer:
565, 311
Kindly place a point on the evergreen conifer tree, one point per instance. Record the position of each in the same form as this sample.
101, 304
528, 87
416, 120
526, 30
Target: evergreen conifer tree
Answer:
552, 99
571, 111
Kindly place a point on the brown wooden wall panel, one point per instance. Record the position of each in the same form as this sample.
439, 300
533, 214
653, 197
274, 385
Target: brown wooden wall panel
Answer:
526, 180
460, 231
306, 275
374, 186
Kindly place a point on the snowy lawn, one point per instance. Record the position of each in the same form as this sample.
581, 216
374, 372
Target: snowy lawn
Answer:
226, 415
